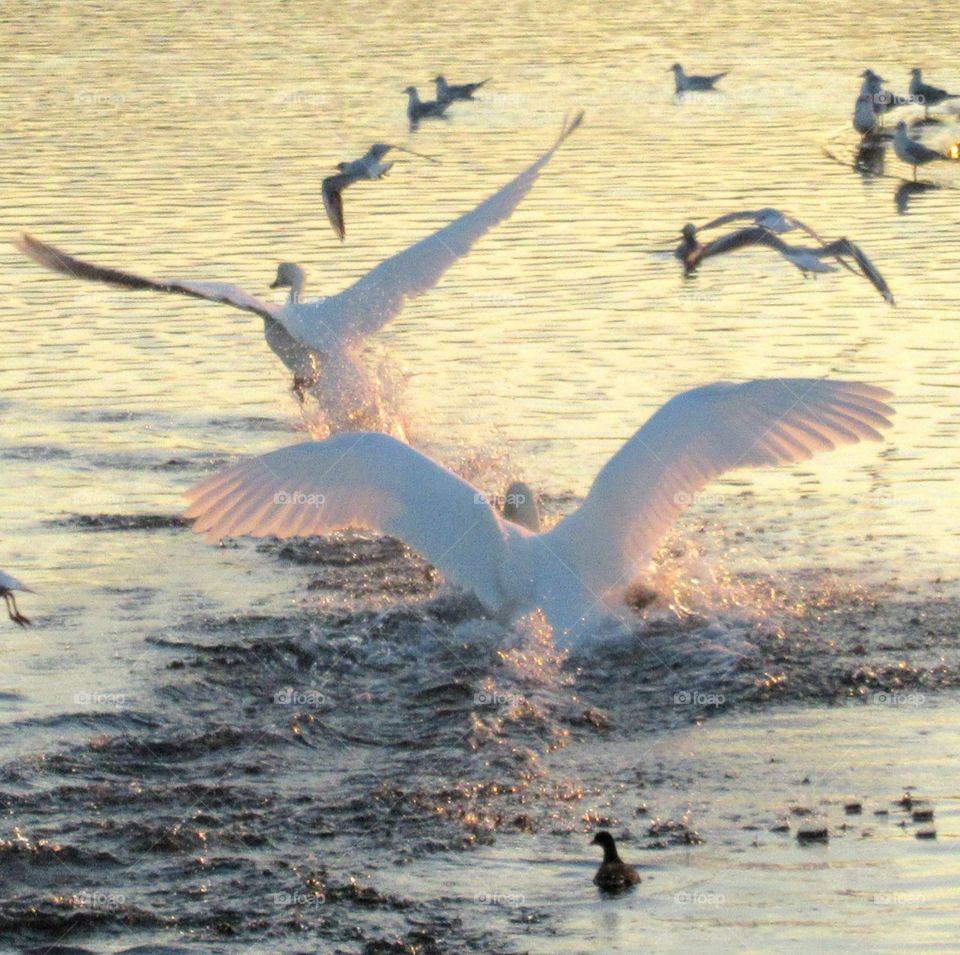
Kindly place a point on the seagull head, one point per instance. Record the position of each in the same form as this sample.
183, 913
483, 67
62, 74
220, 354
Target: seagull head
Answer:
676, 68
289, 275
411, 91
343, 166
439, 78
520, 506
902, 127
916, 73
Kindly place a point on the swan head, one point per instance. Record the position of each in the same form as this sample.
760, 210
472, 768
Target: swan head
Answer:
289, 275
520, 506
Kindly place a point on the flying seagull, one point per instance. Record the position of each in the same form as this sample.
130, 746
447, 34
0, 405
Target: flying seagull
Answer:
417, 109
8, 585
691, 84
912, 152
368, 166
584, 565
926, 94
447, 92
692, 252
321, 341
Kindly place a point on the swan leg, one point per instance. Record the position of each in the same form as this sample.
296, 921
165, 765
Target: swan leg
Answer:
299, 388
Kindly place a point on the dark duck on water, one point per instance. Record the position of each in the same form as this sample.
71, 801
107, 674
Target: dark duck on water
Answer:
614, 875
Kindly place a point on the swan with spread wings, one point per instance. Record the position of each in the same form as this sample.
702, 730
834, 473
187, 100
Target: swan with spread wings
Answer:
321, 340
578, 571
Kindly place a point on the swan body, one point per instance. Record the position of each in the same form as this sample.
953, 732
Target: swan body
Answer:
321, 340
578, 571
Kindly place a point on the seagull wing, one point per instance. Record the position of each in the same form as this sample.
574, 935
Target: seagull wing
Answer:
695, 437
362, 480
11, 583
57, 261
729, 217
332, 189
367, 305
867, 268
742, 238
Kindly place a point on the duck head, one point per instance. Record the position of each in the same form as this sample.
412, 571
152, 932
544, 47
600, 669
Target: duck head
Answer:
603, 838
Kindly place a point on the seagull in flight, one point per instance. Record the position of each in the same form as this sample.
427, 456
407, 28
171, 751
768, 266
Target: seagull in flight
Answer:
321, 341
417, 109
447, 92
8, 585
692, 252
911, 151
692, 84
368, 166
927, 94
579, 571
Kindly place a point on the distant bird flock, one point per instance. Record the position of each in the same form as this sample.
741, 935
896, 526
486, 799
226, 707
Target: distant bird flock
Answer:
365, 474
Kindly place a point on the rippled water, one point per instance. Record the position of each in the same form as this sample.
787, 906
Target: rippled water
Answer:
316, 747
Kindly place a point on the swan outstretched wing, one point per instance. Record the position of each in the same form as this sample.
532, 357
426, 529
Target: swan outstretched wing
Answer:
695, 437
362, 480
368, 304
58, 261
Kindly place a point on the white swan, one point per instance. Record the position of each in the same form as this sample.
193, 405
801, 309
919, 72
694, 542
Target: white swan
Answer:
320, 341
8, 585
576, 570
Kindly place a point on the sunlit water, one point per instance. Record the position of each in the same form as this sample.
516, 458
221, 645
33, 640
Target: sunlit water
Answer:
203, 747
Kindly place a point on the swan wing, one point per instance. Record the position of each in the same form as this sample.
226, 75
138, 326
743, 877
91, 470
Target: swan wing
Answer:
58, 261
361, 480
368, 304
695, 437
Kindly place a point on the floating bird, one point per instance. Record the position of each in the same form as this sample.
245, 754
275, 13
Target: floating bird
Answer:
912, 152
692, 252
865, 119
417, 109
8, 585
447, 92
581, 569
883, 100
690, 84
926, 94
320, 341
614, 875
